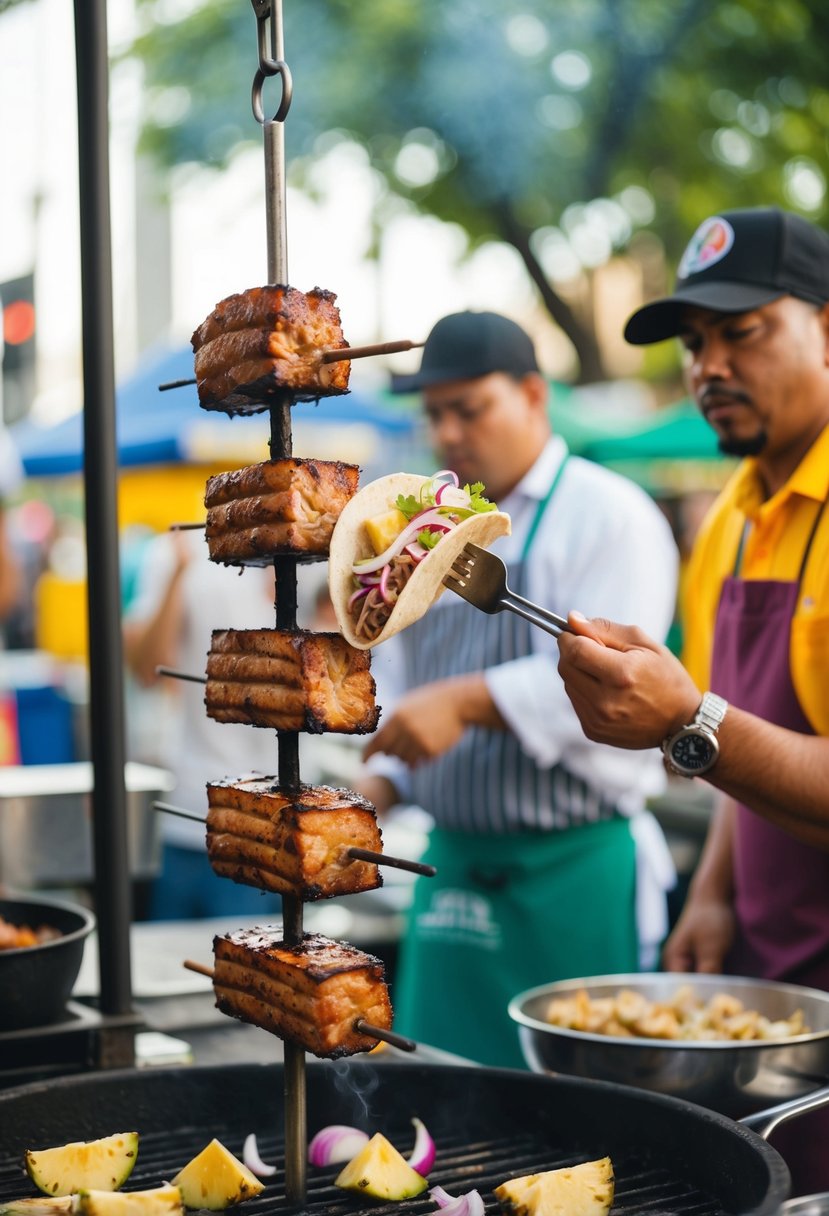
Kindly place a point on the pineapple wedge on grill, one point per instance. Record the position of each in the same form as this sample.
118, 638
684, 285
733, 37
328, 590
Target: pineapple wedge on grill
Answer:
101, 1165
215, 1180
379, 1172
577, 1190
160, 1201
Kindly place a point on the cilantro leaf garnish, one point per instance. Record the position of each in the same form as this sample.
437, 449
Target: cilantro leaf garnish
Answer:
477, 501
428, 539
408, 504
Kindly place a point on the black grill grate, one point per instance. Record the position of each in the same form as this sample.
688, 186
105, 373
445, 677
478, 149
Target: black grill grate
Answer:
459, 1167
488, 1126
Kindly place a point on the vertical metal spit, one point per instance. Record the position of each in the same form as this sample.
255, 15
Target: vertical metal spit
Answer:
272, 63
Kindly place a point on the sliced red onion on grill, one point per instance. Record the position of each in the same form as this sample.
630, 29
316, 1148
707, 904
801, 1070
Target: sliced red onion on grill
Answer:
251, 1158
423, 1154
336, 1143
470, 1204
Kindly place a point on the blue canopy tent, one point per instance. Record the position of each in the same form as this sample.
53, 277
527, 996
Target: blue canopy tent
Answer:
169, 427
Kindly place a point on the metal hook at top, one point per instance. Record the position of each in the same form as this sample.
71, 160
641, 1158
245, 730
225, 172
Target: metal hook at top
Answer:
271, 59
279, 69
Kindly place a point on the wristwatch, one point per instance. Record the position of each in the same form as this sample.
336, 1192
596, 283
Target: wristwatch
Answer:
694, 749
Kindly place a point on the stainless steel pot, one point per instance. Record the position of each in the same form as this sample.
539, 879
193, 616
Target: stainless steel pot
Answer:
46, 827
736, 1079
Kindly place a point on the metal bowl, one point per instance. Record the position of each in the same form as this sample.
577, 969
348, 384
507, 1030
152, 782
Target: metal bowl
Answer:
735, 1079
36, 981
806, 1205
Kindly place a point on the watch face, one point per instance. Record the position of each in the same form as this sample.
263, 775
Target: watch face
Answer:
693, 752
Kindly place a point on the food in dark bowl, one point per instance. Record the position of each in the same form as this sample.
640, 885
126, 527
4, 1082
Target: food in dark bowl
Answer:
36, 980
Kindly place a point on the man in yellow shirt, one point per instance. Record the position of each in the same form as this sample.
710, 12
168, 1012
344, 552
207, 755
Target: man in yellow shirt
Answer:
750, 308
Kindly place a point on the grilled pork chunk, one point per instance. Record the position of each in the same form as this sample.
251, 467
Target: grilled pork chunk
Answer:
310, 994
278, 507
290, 680
267, 341
293, 843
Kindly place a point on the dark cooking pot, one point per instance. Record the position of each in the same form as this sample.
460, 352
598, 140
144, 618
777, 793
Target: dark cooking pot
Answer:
36, 981
735, 1079
488, 1125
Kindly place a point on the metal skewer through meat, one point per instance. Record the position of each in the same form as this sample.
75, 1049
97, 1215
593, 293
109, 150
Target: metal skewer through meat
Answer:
291, 680
303, 856
328, 998
277, 507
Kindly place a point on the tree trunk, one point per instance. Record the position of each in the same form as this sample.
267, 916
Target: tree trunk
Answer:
591, 367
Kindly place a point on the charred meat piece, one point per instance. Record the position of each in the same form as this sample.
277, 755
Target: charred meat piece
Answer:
290, 680
293, 843
278, 507
267, 341
310, 994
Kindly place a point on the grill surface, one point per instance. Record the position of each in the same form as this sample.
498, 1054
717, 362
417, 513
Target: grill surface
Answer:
488, 1126
459, 1167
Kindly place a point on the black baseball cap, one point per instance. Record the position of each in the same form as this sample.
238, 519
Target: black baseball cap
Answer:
466, 345
738, 261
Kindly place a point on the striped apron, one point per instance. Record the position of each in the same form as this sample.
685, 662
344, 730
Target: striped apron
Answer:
535, 870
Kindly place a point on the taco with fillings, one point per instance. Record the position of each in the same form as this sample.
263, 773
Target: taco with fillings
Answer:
393, 544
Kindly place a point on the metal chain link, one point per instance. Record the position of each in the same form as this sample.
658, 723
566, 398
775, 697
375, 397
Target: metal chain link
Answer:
271, 59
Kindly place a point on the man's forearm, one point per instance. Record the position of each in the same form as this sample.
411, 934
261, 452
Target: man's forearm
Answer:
714, 874
781, 774
154, 643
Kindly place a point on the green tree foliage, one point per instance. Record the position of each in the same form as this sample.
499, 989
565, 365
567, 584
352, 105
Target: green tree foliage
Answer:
544, 123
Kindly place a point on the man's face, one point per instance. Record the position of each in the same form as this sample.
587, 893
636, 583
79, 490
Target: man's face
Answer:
484, 429
760, 378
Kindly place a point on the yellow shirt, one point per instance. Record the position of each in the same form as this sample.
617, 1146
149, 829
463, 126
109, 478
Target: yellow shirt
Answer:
777, 540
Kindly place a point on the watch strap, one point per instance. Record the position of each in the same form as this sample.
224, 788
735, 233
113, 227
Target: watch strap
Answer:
711, 712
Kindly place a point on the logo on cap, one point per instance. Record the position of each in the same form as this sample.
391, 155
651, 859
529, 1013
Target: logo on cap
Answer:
709, 245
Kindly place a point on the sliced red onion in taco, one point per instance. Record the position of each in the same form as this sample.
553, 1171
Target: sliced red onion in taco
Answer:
394, 542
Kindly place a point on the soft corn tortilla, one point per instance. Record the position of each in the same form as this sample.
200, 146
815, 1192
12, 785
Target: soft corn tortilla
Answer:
350, 543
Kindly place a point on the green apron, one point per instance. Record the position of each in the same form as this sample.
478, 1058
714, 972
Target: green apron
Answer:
536, 873
505, 913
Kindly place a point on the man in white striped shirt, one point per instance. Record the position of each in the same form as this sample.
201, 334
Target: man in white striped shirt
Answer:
536, 828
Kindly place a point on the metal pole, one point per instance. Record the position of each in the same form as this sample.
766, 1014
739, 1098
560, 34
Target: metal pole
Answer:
109, 802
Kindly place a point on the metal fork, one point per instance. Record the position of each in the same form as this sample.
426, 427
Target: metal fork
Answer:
480, 578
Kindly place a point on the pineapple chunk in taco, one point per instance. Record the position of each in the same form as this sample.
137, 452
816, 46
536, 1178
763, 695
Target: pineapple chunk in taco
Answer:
393, 544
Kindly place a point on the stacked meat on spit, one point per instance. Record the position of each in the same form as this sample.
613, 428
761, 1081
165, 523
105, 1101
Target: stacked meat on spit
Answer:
266, 341
307, 843
280, 507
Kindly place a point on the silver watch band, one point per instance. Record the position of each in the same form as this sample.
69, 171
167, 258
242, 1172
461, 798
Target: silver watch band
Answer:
711, 712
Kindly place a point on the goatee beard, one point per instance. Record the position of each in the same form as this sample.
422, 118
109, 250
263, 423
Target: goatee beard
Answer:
743, 447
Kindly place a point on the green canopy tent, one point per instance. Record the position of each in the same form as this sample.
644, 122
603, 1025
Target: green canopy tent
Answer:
672, 452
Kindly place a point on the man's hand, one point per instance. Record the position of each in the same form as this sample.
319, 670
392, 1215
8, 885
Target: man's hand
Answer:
431, 719
702, 938
626, 689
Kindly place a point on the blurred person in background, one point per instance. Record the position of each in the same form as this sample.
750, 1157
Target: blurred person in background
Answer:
751, 309
181, 597
536, 831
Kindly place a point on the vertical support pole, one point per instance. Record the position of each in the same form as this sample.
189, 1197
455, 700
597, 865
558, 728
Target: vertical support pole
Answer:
112, 880
281, 445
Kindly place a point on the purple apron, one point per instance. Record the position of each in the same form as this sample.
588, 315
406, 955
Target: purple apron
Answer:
781, 885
